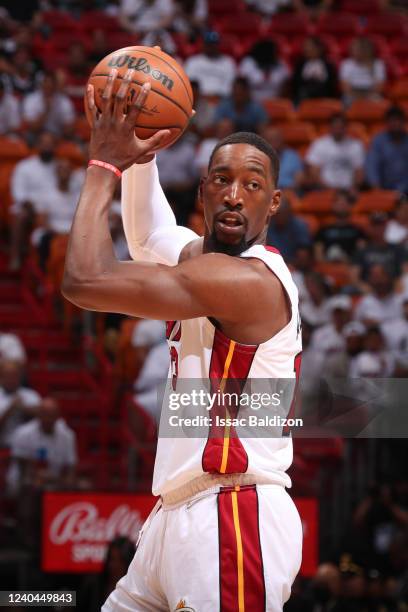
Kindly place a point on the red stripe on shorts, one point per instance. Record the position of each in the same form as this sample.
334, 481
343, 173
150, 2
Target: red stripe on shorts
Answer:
242, 584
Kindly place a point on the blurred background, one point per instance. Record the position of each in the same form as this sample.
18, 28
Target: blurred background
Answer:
326, 83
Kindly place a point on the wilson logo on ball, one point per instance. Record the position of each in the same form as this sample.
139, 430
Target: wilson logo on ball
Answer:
141, 64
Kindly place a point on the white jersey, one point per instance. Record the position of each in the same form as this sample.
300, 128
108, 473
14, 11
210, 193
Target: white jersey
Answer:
202, 352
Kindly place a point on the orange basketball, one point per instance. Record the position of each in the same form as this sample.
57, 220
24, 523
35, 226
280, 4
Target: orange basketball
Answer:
170, 101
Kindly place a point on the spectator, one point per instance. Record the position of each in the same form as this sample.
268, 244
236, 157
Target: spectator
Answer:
362, 75
190, 17
382, 304
267, 8
17, 403
48, 109
213, 71
303, 262
378, 251
10, 118
326, 589
395, 332
315, 309
74, 77
203, 121
43, 451
336, 160
387, 158
340, 363
11, 348
396, 230
342, 232
22, 73
56, 209
246, 114
117, 232
314, 76
97, 587
163, 39
291, 166
142, 16
150, 340
179, 177
266, 73
329, 338
206, 146
99, 46
286, 231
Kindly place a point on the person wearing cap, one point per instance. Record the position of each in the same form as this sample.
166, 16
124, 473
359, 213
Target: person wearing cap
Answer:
395, 332
145, 15
378, 251
315, 309
387, 157
375, 361
338, 365
214, 71
329, 338
382, 304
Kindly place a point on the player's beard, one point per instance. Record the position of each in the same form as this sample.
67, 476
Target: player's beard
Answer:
216, 246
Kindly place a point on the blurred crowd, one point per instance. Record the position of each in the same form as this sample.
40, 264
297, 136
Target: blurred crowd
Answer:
347, 254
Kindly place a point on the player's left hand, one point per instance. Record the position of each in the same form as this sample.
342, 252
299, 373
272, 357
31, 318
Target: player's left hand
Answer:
113, 137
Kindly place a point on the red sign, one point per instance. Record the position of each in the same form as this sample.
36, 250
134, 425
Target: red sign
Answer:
309, 513
78, 526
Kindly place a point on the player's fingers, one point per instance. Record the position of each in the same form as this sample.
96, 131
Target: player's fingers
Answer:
122, 95
90, 96
155, 142
107, 92
138, 103
157, 47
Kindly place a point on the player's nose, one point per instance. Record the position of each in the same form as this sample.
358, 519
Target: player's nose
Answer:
234, 197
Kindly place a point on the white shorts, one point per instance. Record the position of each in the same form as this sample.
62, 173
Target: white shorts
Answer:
237, 549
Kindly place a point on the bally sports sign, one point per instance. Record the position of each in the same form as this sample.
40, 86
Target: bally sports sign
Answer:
77, 528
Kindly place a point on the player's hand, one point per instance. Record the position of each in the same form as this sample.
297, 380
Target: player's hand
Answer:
113, 137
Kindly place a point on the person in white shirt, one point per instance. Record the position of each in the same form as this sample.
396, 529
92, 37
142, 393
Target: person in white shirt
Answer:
11, 348
396, 230
316, 308
48, 109
43, 451
266, 73
145, 15
329, 338
17, 403
362, 75
375, 361
10, 117
214, 71
383, 304
57, 207
336, 160
395, 332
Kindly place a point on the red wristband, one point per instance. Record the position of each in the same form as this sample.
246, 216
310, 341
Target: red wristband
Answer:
102, 164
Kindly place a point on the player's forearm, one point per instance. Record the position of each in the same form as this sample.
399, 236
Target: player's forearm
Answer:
90, 251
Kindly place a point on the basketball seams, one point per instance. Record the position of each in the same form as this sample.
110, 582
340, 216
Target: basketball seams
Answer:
159, 93
159, 57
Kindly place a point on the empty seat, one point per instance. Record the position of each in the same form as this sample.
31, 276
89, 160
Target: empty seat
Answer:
298, 134
12, 150
318, 202
361, 7
280, 109
243, 24
376, 200
311, 221
290, 24
225, 7
339, 24
71, 151
319, 110
337, 272
387, 24
368, 111
399, 90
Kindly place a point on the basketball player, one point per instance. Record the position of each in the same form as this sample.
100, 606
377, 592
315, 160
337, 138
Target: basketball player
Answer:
225, 534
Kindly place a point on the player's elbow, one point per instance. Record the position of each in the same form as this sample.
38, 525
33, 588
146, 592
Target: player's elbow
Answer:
76, 290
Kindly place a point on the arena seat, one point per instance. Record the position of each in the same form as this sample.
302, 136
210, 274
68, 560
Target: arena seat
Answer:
399, 48
317, 202
368, 111
387, 24
118, 40
339, 25
361, 7
362, 221
12, 150
71, 151
280, 110
290, 24
311, 221
98, 20
356, 129
59, 20
318, 110
337, 272
82, 128
376, 200
242, 24
399, 90
299, 134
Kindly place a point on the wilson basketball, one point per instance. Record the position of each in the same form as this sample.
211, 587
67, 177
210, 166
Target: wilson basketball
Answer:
170, 101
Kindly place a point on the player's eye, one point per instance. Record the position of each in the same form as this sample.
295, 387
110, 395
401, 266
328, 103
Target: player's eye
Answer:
253, 185
219, 179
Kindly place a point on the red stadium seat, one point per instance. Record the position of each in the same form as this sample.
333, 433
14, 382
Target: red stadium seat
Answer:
290, 24
339, 25
318, 202
311, 221
98, 20
399, 91
299, 134
280, 109
387, 24
59, 20
368, 111
399, 48
223, 8
242, 24
318, 110
361, 7
72, 152
12, 150
376, 200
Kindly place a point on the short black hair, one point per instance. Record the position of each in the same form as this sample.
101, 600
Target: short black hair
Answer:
255, 141
395, 112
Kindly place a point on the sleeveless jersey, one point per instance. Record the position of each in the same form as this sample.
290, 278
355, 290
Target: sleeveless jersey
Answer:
200, 351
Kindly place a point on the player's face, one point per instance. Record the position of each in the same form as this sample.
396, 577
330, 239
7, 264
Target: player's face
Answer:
239, 198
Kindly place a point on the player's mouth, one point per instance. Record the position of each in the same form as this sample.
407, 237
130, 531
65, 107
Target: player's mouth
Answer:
232, 223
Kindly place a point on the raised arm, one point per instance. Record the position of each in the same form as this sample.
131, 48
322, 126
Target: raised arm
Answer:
148, 220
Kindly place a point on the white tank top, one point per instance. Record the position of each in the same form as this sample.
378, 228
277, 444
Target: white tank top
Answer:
200, 351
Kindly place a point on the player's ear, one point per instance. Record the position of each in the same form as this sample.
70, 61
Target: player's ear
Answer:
275, 202
200, 199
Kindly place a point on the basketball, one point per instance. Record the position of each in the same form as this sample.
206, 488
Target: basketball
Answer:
169, 104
